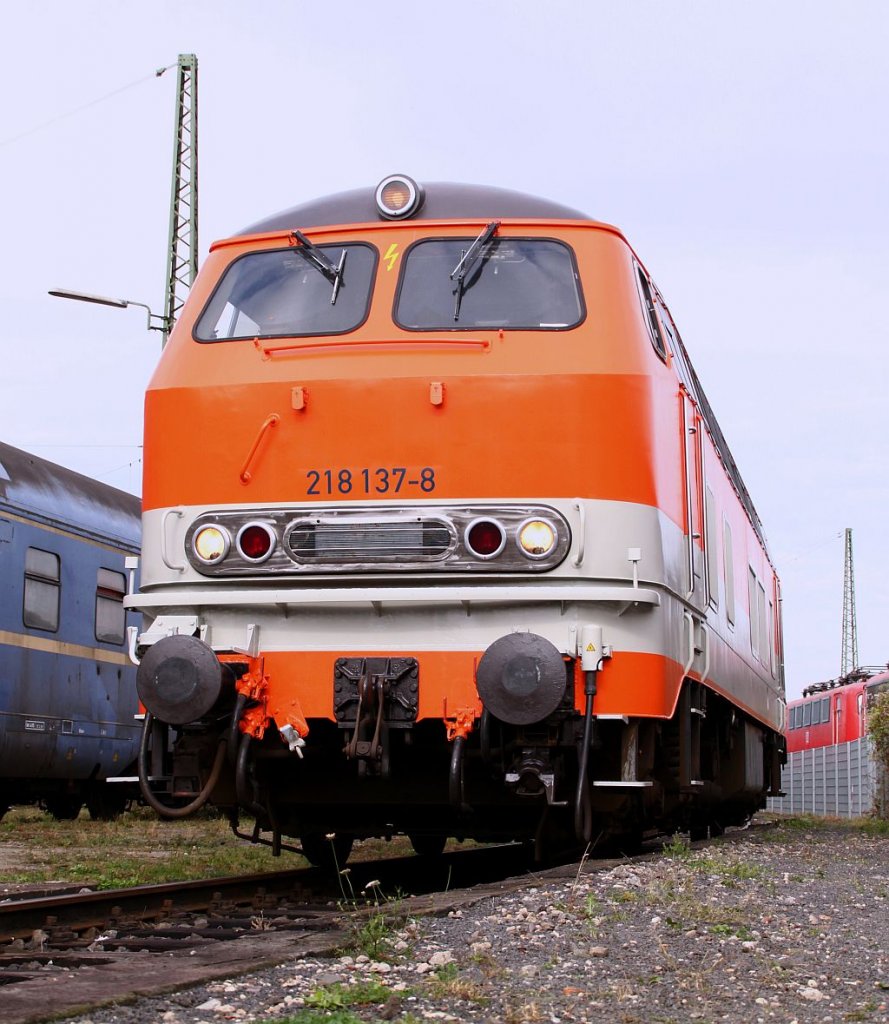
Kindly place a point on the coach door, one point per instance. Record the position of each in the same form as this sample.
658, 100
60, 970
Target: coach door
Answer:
694, 501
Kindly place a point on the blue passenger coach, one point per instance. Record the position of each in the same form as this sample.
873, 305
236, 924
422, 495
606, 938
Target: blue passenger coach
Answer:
67, 689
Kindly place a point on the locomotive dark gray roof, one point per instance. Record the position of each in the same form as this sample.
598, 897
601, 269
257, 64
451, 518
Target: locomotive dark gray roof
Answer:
36, 489
444, 201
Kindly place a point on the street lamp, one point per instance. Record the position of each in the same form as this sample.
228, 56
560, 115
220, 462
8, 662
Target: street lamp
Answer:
102, 300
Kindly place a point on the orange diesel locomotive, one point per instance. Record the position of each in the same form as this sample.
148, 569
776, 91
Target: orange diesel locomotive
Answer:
441, 537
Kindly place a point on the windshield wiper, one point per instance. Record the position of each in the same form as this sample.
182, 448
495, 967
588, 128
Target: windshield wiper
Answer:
467, 260
321, 263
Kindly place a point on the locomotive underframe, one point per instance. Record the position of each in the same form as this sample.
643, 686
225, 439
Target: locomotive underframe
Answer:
707, 767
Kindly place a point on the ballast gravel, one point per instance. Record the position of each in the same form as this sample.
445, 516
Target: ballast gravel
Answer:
786, 923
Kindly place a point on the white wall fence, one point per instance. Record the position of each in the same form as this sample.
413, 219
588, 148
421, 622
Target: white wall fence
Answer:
841, 781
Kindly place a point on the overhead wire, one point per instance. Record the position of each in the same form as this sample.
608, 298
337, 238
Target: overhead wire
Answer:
85, 106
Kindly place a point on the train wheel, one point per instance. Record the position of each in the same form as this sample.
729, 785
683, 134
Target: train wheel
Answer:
330, 854
63, 808
106, 803
705, 830
427, 846
629, 844
697, 833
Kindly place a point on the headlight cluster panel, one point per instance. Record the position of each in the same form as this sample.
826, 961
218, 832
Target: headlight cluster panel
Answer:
312, 541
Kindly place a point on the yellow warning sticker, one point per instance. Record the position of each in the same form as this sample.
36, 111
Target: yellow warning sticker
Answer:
392, 255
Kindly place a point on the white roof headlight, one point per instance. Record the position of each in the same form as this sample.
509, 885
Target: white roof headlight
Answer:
398, 197
536, 538
211, 544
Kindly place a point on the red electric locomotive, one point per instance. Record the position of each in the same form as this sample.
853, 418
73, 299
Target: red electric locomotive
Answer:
833, 712
442, 537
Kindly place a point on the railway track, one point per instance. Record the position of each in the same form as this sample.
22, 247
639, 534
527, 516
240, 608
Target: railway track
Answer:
66, 954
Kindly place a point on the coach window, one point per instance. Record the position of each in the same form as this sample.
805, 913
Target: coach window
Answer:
43, 577
110, 613
508, 283
317, 290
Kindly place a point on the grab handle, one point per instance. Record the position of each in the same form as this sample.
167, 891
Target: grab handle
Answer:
164, 555
691, 642
581, 540
271, 421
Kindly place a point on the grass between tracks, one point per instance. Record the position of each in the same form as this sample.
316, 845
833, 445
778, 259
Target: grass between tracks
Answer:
137, 849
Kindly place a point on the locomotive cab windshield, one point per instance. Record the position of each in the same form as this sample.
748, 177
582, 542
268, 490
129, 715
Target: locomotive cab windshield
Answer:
513, 283
302, 290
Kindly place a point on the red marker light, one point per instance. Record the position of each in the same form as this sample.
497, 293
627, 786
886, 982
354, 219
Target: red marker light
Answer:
485, 538
255, 542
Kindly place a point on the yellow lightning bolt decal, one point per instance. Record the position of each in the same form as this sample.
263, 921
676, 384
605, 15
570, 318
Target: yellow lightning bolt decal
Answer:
392, 255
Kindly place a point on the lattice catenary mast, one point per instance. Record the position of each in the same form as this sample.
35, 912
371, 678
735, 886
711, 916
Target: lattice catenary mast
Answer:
850, 630
182, 252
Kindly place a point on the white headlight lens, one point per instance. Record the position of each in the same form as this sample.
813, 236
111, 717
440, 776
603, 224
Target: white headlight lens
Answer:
398, 197
211, 544
537, 538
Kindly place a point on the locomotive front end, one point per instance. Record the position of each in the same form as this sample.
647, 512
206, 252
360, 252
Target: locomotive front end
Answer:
399, 492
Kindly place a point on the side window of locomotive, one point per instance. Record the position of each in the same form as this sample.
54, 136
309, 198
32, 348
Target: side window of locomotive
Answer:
650, 313
751, 609
110, 614
770, 639
711, 543
513, 283
677, 350
825, 709
762, 622
759, 623
729, 568
284, 293
43, 585
807, 714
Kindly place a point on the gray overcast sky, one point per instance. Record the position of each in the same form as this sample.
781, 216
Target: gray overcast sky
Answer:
743, 148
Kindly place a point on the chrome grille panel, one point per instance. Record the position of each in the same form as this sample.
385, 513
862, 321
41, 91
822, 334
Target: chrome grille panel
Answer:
324, 539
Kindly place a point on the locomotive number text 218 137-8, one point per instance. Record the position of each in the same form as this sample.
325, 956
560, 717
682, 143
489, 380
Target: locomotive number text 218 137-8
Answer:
379, 480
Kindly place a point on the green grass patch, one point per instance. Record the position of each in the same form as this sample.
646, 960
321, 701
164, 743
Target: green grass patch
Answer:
448, 984
137, 849
317, 1017
338, 997
812, 823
